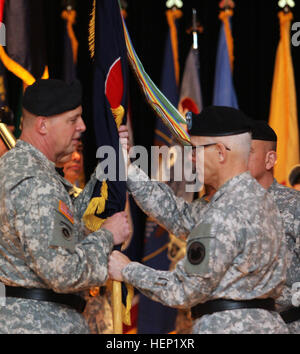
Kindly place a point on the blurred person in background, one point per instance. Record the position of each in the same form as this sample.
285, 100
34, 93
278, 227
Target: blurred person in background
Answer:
294, 177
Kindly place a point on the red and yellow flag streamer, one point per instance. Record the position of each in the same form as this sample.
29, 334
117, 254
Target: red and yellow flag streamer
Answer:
224, 16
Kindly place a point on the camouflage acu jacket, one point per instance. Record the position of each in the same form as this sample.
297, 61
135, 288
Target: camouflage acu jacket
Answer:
288, 202
42, 240
243, 252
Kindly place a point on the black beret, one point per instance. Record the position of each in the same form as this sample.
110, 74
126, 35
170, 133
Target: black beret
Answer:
51, 97
219, 121
294, 175
262, 131
6, 116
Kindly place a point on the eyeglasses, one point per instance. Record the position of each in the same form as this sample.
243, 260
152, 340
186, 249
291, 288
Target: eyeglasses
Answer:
194, 147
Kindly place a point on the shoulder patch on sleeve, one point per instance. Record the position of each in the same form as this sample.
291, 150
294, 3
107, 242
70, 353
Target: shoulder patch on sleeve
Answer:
63, 209
198, 248
63, 231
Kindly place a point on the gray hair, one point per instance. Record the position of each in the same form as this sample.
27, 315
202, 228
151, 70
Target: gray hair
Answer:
240, 144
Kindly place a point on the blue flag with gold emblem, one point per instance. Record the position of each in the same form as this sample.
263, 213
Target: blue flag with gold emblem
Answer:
109, 106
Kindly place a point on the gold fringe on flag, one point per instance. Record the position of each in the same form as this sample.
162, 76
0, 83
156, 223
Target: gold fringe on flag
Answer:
97, 204
70, 17
16, 68
224, 17
126, 318
92, 26
118, 114
173, 15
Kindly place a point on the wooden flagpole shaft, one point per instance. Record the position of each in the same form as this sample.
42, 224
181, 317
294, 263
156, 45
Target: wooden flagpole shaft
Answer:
117, 290
117, 307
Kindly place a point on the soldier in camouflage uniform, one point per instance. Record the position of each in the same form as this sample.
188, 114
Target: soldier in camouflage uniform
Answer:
45, 255
236, 251
98, 309
261, 164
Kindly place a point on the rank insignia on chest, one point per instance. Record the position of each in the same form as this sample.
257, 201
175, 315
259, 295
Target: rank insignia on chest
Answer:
63, 209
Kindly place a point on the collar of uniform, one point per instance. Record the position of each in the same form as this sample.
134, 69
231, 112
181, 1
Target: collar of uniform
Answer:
65, 182
37, 154
230, 185
60, 173
273, 185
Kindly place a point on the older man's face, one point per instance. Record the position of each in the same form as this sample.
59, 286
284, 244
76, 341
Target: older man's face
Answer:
208, 156
65, 131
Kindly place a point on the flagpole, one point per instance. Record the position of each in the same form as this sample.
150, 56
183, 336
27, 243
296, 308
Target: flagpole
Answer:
117, 307
97, 205
195, 31
7, 137
117, 296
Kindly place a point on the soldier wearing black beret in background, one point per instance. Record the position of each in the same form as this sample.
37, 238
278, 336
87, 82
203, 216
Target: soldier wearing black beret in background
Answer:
261, 165
294, 177
45, 255
235, 263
